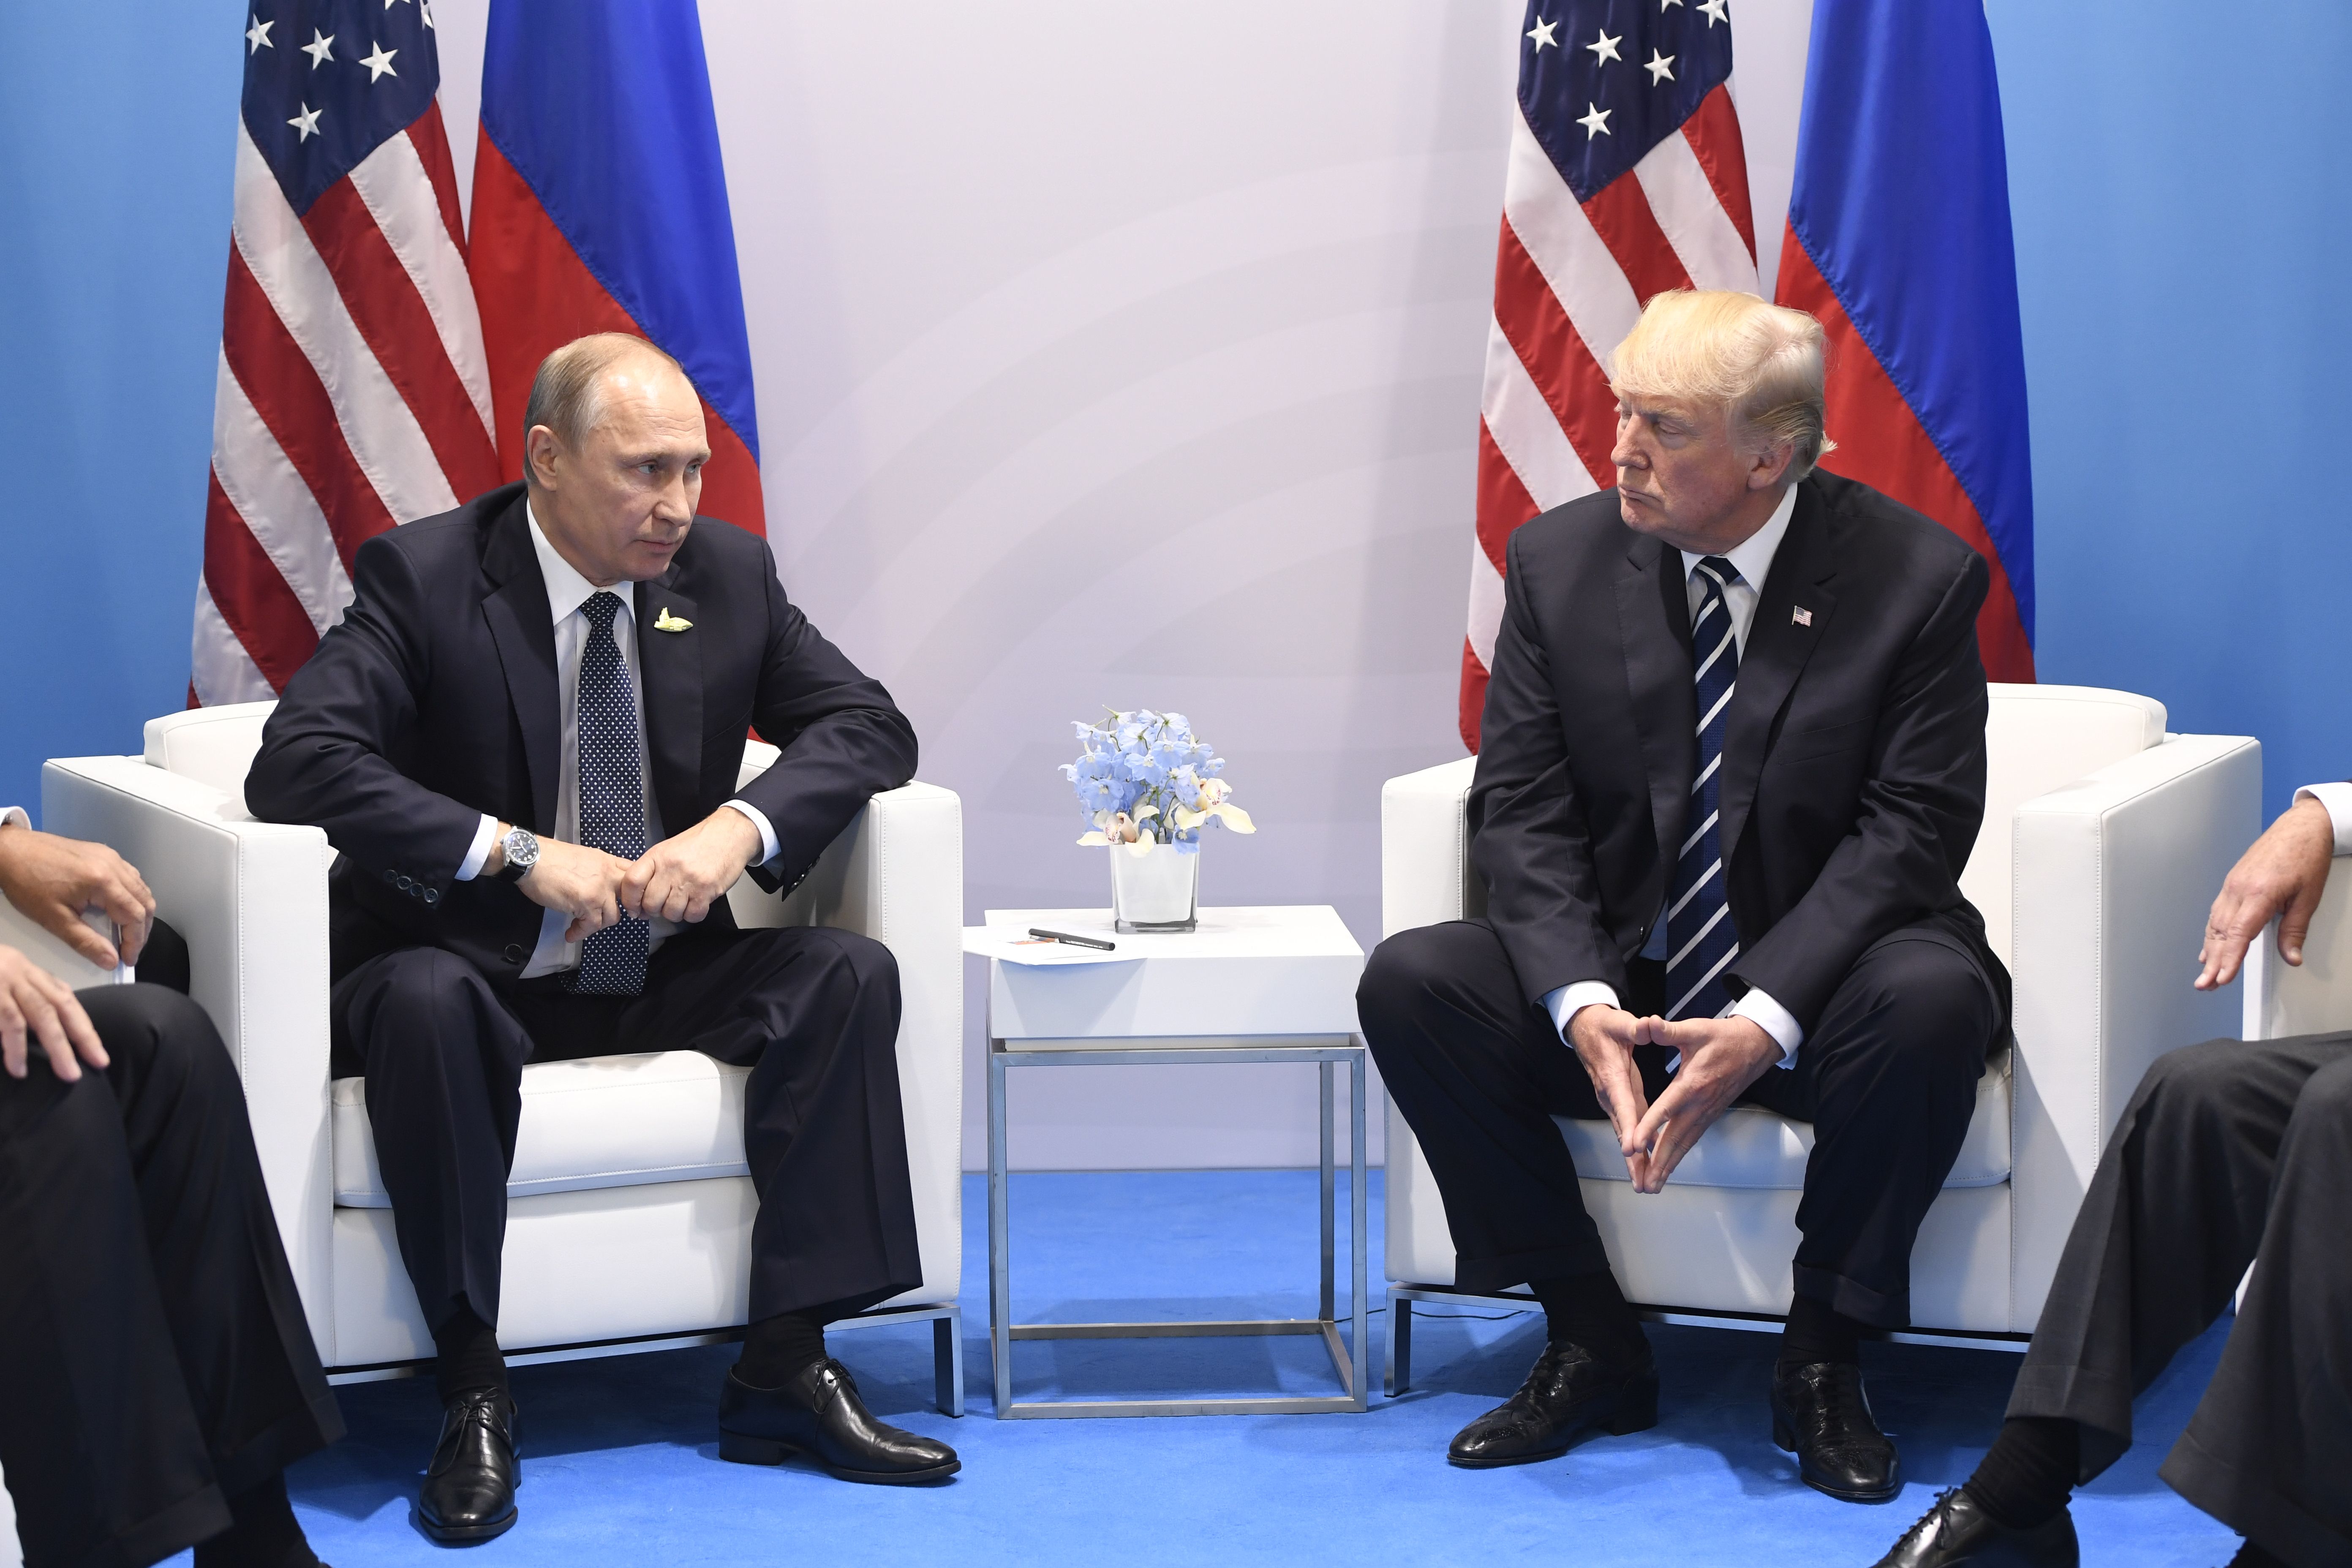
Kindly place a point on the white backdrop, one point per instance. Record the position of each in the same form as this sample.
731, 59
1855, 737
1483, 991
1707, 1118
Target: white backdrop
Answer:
1129, 356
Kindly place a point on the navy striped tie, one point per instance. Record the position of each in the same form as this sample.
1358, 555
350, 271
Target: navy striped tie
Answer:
612, 796
1700, 940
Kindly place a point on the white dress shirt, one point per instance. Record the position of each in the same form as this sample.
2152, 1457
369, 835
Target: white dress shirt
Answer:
14, 813
1753, 560
567, 591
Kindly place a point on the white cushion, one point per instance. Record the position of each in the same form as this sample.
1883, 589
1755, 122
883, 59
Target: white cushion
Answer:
210, 745
605, 1121
1754, 1148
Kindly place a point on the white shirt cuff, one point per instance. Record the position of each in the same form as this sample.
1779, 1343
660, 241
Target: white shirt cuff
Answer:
767, 846
1564, 1002
2337, 799
14, 813
471, 866
1774, 1020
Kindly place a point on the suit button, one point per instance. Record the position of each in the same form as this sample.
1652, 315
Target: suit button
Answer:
514, 952
405, 885
392, 876
432, 895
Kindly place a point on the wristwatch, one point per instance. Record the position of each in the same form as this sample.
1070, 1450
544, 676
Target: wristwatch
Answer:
520, 846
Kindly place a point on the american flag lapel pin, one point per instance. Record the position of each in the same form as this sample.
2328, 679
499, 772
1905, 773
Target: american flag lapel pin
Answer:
1803, 616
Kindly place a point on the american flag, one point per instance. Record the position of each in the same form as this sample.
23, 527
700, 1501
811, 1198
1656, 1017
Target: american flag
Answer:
1626, 178
353, 390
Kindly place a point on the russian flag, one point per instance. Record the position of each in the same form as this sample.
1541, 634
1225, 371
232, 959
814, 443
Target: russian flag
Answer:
1900, 242
600, 204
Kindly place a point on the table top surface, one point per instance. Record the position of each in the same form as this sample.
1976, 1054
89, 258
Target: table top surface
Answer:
1277, 931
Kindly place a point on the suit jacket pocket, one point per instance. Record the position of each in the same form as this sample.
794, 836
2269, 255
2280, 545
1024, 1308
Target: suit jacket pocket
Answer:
1799, 745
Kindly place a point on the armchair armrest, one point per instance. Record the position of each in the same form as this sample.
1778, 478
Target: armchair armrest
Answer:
1425, 876
2112, 878
895, 874
251, 899
2315, 997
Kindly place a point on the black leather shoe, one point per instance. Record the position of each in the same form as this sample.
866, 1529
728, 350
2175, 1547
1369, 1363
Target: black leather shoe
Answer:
1821, 1415
469, 1486
1567, 1393
1956, 1532
818, 1413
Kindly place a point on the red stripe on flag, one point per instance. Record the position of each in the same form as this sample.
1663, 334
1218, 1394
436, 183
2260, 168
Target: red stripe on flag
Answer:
1503, 503
286, 391
431, 139
536, 295
251, 595
1712, 133
1473, 701
1620, 215
399, 328
1539, 331
1882, 443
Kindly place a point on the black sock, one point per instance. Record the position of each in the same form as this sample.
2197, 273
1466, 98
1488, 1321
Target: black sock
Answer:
262, 1532
1588, 1310
2030, 1471
1818, 1331
2253, 1556
467, 1349
778, 1347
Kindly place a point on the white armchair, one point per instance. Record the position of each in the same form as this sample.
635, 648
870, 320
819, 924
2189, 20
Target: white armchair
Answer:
2104, 840
630, 1205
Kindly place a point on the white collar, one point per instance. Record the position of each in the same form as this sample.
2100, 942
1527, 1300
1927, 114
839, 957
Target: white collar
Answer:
1753, 559
567, 589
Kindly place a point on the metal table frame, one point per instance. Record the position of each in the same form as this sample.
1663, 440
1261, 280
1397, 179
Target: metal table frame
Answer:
1348, 1359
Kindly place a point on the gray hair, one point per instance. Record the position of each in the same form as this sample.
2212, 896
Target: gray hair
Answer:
1764, 363
567, 396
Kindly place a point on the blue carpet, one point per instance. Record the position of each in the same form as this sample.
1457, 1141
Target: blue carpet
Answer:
620, 1455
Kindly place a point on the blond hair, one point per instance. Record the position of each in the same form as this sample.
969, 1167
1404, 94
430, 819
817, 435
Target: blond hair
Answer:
1713, 346
567, 396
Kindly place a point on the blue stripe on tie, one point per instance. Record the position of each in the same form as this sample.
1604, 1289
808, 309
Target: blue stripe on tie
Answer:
1700, 936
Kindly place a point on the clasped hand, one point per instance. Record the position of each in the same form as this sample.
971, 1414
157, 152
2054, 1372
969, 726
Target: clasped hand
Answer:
677, 880
1721, 1056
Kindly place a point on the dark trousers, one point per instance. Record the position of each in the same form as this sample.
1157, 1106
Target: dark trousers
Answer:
2226, 1150
812, 1011
1887, 1077
154, 1356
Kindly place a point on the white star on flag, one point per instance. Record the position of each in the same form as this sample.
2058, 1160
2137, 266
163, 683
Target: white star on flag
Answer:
306, 123
1606, 50
1596, 120
320, 48
1712, 11
1660, 67
1542, 34
379, 64
257, 37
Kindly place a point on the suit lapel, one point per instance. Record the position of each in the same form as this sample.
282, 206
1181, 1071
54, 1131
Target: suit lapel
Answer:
672, 661
1653, 627
1779, 644
525, 635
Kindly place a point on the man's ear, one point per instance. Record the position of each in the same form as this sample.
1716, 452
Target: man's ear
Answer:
1771, 465
540, 449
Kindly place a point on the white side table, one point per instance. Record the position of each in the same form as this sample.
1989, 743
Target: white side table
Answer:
1275, 985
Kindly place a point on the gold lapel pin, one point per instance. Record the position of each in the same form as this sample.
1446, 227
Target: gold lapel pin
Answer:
666, 622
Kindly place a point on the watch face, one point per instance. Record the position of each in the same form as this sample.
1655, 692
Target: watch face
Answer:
522, 848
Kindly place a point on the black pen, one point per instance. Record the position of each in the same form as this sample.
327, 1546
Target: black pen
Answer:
1073, 940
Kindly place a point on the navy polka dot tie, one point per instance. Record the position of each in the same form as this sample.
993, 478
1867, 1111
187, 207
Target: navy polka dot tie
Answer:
1700, 940
612, 797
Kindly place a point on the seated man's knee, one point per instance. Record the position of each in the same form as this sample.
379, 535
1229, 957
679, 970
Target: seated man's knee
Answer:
1404, 969
2327, 1097
2205, 1074
867, 964
402, 997
1937, 1003
159, 1035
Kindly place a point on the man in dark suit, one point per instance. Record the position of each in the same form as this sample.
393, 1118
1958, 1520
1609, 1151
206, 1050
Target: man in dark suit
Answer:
2228, 1150
156, 1373
524, 737
1732, 763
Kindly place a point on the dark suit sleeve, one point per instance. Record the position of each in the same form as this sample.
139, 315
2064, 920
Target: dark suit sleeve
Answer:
1530, 846
331, 755
844, 739
1922, 803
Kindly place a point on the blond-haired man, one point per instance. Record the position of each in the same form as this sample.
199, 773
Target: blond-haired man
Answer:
1733, 760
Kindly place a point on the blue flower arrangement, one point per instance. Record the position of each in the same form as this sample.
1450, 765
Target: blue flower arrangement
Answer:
1143, 779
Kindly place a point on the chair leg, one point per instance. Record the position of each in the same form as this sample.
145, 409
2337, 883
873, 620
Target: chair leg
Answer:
1400, 1367
947, 1362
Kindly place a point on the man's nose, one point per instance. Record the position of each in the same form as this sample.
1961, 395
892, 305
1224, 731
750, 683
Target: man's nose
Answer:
675, 505
1625, 454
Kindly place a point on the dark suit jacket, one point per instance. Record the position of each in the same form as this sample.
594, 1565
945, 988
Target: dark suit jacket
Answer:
1853, 765
434, 701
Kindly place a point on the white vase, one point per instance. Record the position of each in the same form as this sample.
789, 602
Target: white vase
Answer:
1157, 890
